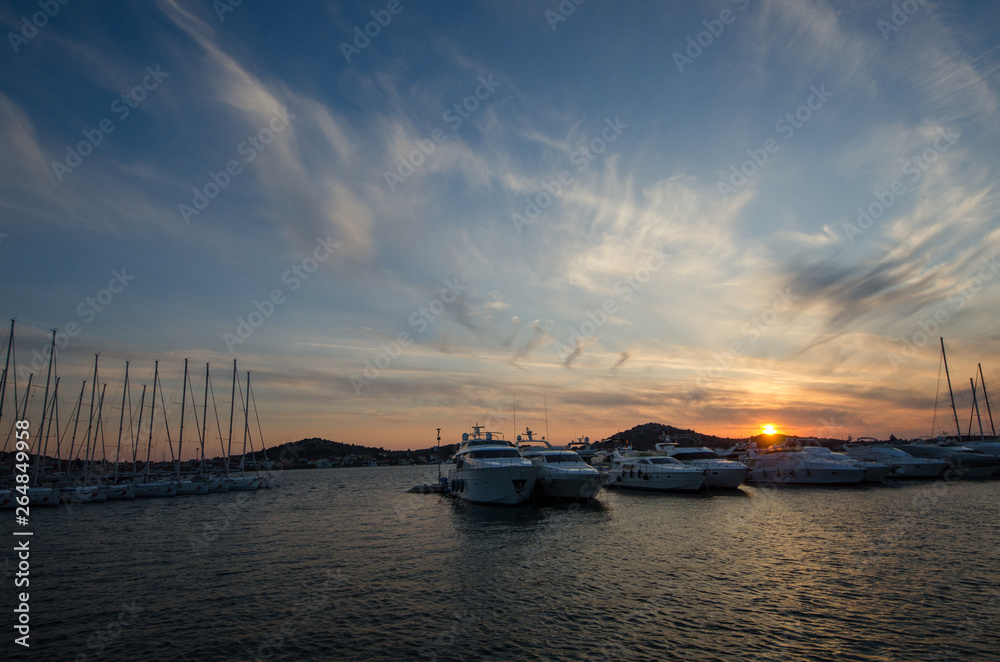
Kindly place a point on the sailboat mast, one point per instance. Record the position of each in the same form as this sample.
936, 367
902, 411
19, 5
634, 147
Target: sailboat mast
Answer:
72, 443
232, 407
98, 428
975, 405
986, 398
121, 425
246, 423
152, 418
17, 412
204, 423
90, 423
958, 427
45, 407
135, 441
48, 429
6, 368
180, 439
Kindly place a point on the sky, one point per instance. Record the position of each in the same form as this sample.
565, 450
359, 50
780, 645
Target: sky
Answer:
571, 216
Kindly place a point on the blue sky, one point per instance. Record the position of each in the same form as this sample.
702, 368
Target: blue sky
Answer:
708, 214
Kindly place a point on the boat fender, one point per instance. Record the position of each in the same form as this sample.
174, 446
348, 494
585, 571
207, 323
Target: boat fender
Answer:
646, 476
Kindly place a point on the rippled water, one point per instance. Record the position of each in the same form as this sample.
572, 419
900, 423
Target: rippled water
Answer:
342, 564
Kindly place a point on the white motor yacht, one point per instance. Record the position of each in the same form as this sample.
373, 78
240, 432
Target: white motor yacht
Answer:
795, 467
719, 473
489, 470
562, 474
900, 463
875, 472
652, 470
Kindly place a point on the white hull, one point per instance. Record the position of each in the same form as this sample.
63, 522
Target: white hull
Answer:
901, 465
153, 490
43, 496
189, 487
84, 494
121, 492
217, 485
566, 485
798, 468
242, 483
681, 479
494, 485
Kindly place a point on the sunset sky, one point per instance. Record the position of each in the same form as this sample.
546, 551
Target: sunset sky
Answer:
409, 215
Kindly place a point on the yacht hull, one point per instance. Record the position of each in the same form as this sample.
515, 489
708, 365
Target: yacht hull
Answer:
565, 487
655, 481
498, 485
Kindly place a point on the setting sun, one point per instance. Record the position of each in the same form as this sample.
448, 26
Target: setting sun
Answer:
768, 429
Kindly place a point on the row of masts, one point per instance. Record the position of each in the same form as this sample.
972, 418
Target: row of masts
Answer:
975, 401
95, 428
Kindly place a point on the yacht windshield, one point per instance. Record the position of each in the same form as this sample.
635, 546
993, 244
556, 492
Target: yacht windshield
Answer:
695, 455
663, 460
494, 453
564, 457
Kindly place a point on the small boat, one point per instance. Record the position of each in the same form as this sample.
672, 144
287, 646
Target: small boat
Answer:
489, 470
719, 473
43, 496
652, 471
562, 473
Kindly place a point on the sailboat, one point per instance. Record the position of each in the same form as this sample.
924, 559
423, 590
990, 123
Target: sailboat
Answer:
121, 491
147, 488
185, 486
241, 483
963, 461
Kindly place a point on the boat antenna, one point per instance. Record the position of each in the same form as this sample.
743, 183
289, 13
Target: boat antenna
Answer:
986, 398
958, 427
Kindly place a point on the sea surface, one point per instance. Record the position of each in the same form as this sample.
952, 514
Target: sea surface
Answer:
344, 564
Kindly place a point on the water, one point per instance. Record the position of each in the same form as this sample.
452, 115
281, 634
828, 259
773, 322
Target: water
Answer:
343, 564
